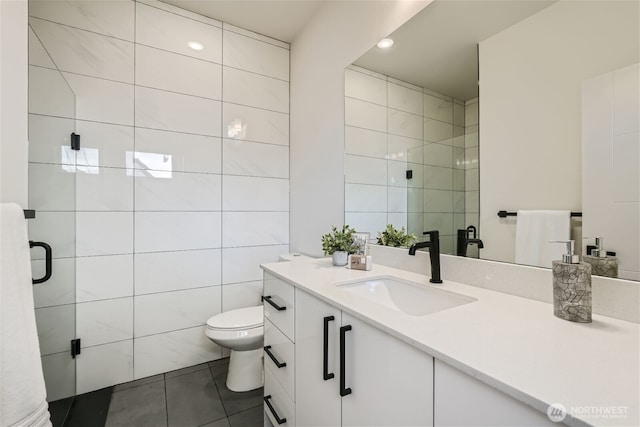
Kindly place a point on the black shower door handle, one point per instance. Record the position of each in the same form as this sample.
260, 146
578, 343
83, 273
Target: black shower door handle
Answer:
47, 258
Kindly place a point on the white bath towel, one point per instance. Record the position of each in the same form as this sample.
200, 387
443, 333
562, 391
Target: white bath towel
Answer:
534, 231
22, 391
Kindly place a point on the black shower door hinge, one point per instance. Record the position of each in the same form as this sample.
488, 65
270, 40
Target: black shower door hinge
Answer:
75, 347
75, 141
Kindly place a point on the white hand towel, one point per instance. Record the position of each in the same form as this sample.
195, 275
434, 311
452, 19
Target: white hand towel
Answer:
22, 391
534, 231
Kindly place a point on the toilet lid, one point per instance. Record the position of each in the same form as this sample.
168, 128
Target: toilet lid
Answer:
241, 318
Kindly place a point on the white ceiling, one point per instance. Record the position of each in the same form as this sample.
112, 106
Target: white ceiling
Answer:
437, 50
279, 19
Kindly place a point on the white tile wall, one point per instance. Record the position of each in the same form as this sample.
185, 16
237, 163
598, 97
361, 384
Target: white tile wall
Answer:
365, 142
103, 277
171, 311
155, 354
37, 55
170, 231
177, 270
365, 115
365, 87
102, 322
177, 194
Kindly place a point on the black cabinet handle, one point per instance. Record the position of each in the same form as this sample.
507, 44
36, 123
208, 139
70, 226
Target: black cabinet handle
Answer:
344, 391
48, 261
279, 364
273, 304
325, 350
273, 411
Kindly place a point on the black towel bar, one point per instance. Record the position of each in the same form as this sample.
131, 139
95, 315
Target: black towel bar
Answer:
504, 214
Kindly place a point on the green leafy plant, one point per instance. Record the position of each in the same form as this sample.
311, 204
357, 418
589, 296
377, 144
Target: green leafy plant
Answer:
396, 238
339, 240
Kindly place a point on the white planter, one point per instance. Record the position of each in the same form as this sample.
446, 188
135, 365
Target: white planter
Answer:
340, 258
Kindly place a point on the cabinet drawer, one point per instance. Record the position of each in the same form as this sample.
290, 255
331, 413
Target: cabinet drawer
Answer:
280, 403
279, 303
281, 348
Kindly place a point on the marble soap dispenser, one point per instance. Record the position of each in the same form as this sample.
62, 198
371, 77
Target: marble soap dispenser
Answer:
601, 263
571, 287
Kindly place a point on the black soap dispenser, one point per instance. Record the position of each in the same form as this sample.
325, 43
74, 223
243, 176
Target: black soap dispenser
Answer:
571, 287
601, 263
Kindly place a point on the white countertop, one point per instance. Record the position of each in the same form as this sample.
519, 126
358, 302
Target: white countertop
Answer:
514, 344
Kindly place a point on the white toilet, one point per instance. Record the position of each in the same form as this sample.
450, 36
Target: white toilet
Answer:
242, 331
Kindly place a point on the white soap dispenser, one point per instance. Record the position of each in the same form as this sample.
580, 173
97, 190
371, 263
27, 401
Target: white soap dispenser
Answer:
571, 287
601, 263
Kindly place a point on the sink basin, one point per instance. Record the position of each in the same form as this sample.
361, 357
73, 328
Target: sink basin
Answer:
407, 297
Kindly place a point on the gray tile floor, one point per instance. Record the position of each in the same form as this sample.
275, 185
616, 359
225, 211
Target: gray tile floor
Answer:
194, 396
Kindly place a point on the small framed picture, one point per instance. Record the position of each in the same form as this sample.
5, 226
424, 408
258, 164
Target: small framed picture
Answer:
361, 239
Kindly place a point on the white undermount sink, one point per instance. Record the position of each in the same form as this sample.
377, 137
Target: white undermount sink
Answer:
407, 297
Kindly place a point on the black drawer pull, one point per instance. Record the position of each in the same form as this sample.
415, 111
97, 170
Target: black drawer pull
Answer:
326, 375
273, 304
48, 261
279, 364
344, 391
273, 411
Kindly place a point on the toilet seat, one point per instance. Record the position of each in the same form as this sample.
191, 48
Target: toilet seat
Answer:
239, 319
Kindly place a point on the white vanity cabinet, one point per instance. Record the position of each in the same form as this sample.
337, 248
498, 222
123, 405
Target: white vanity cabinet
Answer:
384, 380
463, 401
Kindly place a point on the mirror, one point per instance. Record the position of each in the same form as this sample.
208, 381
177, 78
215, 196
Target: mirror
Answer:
414, 116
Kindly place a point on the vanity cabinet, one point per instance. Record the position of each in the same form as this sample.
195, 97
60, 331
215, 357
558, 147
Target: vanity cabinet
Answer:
350, 373
461, 400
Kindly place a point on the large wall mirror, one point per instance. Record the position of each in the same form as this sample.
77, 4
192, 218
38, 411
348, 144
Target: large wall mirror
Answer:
478, 107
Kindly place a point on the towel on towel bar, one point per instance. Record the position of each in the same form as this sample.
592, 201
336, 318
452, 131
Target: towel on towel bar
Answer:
534, 231
22, 391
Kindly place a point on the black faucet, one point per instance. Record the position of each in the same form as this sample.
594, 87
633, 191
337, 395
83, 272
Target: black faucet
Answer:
434, 253
464, 240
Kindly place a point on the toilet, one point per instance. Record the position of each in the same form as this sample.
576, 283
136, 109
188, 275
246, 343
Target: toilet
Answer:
242, 331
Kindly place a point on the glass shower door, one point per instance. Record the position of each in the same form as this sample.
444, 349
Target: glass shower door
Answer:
52, 194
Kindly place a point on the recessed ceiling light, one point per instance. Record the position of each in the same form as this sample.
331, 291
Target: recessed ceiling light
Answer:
195, 45
385, 43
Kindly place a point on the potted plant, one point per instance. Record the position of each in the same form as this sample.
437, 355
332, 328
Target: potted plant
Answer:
339, 244
396, 238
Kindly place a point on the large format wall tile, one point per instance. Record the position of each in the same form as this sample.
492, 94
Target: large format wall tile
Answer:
241, 193
104, 189
405, 99
56, 328
171, 231
173, 350
365, 198
112, 18
439, 109
37, 55
103, 144
104, 277
365, 115
365, 87
405, 124
179, 192
104, 233
254, 228
49, 93
168, 31
173, 271
179, 152
60, 288
178, 73
249, 54
102, 322
104, 365
255, 159
158, 109
58, 227
84, 52
51, 187
254, 90
240, 295
254, 124
101, 100
243, 264
367, 222
59, 375
49, 140
365, 170
365, 142
170, 311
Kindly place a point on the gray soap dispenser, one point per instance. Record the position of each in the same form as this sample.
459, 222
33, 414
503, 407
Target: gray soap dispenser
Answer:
571, 287
601, 263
